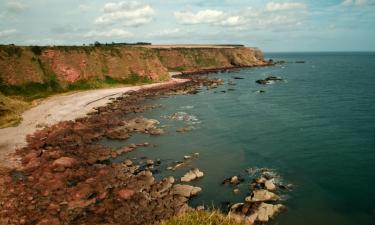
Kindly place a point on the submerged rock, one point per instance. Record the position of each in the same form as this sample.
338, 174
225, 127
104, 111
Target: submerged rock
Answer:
184, 129
269, 80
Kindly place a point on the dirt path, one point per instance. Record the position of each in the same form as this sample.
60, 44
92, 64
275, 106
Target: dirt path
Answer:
55, 109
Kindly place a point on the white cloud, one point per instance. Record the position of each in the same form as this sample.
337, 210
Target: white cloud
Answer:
201, 17
113, 33
7, 33
358, 2
14, 6
126, 13
275, 6
273, 16
167, 33
84, 8
233, 21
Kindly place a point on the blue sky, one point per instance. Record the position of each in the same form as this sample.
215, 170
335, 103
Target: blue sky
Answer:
276, 25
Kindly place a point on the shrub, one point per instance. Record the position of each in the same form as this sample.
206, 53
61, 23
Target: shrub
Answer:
37, 50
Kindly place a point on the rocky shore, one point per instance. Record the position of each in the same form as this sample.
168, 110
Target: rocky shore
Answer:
67, 178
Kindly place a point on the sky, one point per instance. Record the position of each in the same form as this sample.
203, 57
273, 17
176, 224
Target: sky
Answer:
275, 25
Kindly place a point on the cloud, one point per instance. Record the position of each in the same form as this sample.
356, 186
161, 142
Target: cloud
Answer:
84, 8
15, 6
7, 33
233, 21
126, 13
167, 33
201, 17
273, 16
274, 6
358, 2
113, 33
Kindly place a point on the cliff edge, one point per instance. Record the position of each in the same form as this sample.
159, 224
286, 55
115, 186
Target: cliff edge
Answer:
61, 67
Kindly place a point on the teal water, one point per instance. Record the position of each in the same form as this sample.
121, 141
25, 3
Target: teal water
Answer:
316, 129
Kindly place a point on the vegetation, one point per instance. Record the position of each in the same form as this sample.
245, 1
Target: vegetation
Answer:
11, 50
10, 111
37, 50
97, 43
201, 218
16, 99
133, 79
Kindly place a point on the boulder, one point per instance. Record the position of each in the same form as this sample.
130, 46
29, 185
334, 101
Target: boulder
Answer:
128, 162
265, 212
262, 196
233, 180
150, 162
270, 185
252, 213
125, 193
192, 175
65, 162
186, 190
156, 131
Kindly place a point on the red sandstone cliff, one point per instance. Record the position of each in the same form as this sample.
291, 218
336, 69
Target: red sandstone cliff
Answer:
68, 64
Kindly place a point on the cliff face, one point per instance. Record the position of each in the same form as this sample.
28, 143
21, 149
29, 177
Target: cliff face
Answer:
59, 67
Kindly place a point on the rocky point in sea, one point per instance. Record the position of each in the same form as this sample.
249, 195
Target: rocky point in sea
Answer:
66, 177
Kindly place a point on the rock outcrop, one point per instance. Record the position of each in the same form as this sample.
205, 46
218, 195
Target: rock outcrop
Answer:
192, 175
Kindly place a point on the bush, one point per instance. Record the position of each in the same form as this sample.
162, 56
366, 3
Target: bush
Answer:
37, 50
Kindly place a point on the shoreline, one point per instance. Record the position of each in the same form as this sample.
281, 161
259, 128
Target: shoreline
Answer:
55, 109
222, 69
66, 177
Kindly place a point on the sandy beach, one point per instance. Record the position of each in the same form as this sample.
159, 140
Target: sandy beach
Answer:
59, 108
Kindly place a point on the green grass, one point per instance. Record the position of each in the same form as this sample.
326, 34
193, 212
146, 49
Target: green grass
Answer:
10, 111
201, 218
33, 90
132, 79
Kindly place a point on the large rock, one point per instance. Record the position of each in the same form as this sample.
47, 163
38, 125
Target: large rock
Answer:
254, 212
126, 193
65, 162
265, 212
270, 185
262, 196
192, 175
143, 125
186, 190
233, 180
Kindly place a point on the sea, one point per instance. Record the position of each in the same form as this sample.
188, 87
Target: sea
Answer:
314, 130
